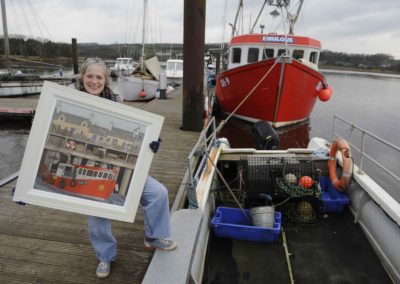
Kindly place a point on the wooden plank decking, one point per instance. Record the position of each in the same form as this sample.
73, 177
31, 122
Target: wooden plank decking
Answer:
40, 245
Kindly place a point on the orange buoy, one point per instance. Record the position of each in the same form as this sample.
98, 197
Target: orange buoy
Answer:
325, 93
306, 181
340, 145
142, 94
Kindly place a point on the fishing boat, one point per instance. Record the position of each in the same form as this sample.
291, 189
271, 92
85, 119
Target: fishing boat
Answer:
122, 66
143, 84
332, 222
272, 76
92, 181
174, 71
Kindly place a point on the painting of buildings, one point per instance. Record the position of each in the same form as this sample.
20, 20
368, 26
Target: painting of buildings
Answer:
89, 154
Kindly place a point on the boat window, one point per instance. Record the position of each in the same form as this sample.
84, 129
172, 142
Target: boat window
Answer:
281, 51
89, 173
252, 55
236, 54
268, 53
94, 174
100, 175
68, 171
80, 171
179, 66
110, 176
171, 65
105, 176
313, 57
298, 54
84, 172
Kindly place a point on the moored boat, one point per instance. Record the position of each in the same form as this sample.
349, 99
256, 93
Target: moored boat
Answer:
327, 230
272, 77
174, 71
122, 66
143, 84
25, 84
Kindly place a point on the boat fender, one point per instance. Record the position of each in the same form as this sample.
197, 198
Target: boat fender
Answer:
325, 93
142, 94
340, 145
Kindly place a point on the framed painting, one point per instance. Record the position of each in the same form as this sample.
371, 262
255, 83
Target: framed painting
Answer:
86, 154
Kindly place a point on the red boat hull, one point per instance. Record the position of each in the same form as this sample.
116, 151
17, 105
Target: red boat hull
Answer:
288, 104
96, 188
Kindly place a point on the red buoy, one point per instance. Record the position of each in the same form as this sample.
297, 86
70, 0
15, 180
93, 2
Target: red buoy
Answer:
142, 94
325, 93
306, 181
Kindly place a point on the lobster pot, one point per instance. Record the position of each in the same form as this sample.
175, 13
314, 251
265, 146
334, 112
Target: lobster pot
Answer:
299, 178
300, 186
302, 210
259, 174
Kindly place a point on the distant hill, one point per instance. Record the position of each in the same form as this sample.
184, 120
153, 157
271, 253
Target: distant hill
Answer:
48, 50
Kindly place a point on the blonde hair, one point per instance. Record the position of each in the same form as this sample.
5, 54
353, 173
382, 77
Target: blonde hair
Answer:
85, 65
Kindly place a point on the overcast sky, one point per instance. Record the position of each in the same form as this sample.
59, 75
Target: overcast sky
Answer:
358, 26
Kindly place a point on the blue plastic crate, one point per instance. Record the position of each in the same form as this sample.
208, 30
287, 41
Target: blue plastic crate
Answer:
231, 223
333, 200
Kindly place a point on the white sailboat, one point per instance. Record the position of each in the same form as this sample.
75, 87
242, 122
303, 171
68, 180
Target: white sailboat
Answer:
19, 84
142, 85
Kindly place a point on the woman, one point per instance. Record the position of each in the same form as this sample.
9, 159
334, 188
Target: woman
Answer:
94, 78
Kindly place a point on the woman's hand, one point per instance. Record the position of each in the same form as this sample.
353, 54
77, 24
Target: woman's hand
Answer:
155, 145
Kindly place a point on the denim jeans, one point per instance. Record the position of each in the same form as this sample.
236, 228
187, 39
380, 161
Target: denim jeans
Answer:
155, 207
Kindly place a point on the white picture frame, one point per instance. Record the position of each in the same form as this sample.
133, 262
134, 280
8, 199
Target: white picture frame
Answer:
86, 154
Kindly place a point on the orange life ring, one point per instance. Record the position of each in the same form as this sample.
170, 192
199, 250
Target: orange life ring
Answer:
342, 146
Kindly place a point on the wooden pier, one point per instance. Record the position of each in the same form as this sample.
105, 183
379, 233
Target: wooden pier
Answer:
40, 245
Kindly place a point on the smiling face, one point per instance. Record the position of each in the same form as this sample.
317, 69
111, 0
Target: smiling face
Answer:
94, 79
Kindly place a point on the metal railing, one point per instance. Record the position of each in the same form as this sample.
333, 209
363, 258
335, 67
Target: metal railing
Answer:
362, 149
8, 178
197, 160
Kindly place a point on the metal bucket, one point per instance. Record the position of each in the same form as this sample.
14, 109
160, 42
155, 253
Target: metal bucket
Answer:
263, 216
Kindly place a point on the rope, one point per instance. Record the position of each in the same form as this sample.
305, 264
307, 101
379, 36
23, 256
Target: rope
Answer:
223, 122
228, 187
287, 254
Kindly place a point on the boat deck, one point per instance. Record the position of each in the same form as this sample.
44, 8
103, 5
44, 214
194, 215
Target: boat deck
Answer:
40, 245
332, 250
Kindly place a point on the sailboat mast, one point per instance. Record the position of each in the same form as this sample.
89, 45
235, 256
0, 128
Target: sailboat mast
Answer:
143, 34
6, 43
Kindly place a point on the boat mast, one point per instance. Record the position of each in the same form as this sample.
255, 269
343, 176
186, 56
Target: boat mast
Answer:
236, 18
143, 35
6, 43
293, 17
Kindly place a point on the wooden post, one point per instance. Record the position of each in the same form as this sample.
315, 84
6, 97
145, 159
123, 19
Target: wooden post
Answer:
193, 64
75, 55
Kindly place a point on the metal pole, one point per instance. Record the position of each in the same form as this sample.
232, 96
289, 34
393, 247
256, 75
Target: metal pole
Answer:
193, 64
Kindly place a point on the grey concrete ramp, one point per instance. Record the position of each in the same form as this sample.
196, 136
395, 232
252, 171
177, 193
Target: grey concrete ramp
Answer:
174, 266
